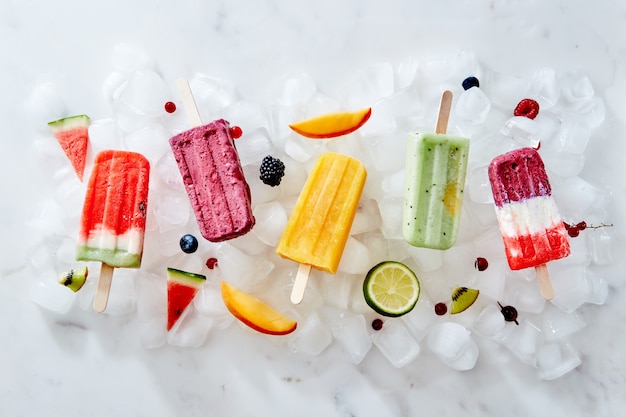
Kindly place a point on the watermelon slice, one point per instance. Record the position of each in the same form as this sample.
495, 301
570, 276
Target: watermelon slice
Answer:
181, 289
73, 135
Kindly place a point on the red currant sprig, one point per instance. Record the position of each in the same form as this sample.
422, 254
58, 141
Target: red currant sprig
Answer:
573, 230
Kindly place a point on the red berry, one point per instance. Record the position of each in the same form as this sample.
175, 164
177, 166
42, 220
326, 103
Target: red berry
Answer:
211, 263
235, 132
567, 226
170, 107
528, 108
441, 309
481, 264
582, 225
573, 231
377, 324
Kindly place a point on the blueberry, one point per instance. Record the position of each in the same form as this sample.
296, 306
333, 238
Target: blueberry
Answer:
189, 243
470, 82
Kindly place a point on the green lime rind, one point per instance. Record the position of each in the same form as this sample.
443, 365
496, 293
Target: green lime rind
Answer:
185, 278
382, 293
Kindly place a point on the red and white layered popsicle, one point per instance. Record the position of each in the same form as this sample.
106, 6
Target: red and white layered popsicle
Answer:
114, 215
529, 220
214, 180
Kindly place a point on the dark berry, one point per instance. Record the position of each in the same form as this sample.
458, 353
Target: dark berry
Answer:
272, 171
189, 243
582, 225
481, 264
377, 324
470, 82
441, 309
567, 226
573, 231
509, 313
235, 132
211, 263
528, 108
170, 107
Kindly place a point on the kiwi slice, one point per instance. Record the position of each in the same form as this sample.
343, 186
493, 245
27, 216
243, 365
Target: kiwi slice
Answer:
74, 279
462, 299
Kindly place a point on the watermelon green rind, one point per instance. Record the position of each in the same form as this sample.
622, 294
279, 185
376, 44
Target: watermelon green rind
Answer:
81, 120
185, 278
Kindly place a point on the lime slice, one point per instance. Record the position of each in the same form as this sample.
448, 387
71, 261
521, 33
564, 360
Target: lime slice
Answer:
391, 289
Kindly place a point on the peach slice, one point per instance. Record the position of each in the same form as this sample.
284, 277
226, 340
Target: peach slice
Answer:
332, 125
255, 313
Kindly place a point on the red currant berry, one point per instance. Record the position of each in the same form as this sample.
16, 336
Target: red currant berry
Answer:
509, 313
567, 226
573, 231
528, 108
377, 324
235, 132
582, 225
441, 309
211, 263
481, 264
170, 107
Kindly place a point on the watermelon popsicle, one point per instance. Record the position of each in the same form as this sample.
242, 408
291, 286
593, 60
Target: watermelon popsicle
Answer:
209, 164
319, 226
435, 170
114, 216
529, 220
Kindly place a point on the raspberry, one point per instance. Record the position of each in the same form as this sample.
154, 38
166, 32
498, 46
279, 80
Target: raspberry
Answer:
470, 82
272, 171
528, 108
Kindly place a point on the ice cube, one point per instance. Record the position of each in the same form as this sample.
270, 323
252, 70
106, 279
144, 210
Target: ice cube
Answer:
103, 135
212, 94
311, 337
564, 164
248, 273
523, 130
168, 172
599, 288
490, 321
491, 281
356, 258
350, 331
294, 90
337, 290
523, 340
505, 90
150, 141
370, 85
45, 103
254, 146
571, 287
420, 320
390, 212
473, 106
393, 184
396, 343
271, 220
524, 296
384, 150
479, 186
577, 88
280, 117
381, 122
453, 344
247, 115
578, 198
151, 309
302, 149
405, 73
426, 259
171, 211
113, 85
49, 294
602, 246
545, 87
557, 324
191, 329
556, 359
573, 136
404, 103
367, 217
262, 192
144, 94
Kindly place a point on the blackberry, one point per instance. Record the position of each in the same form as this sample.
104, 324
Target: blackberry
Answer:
272, 170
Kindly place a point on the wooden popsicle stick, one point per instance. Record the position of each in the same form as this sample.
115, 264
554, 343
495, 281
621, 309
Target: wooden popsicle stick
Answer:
444, 112
188, 102
297, 292
104, 286
545, 284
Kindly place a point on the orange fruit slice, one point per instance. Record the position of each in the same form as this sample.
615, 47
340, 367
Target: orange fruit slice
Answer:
331, 125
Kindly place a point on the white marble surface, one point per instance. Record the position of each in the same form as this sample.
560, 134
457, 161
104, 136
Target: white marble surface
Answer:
82, 363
